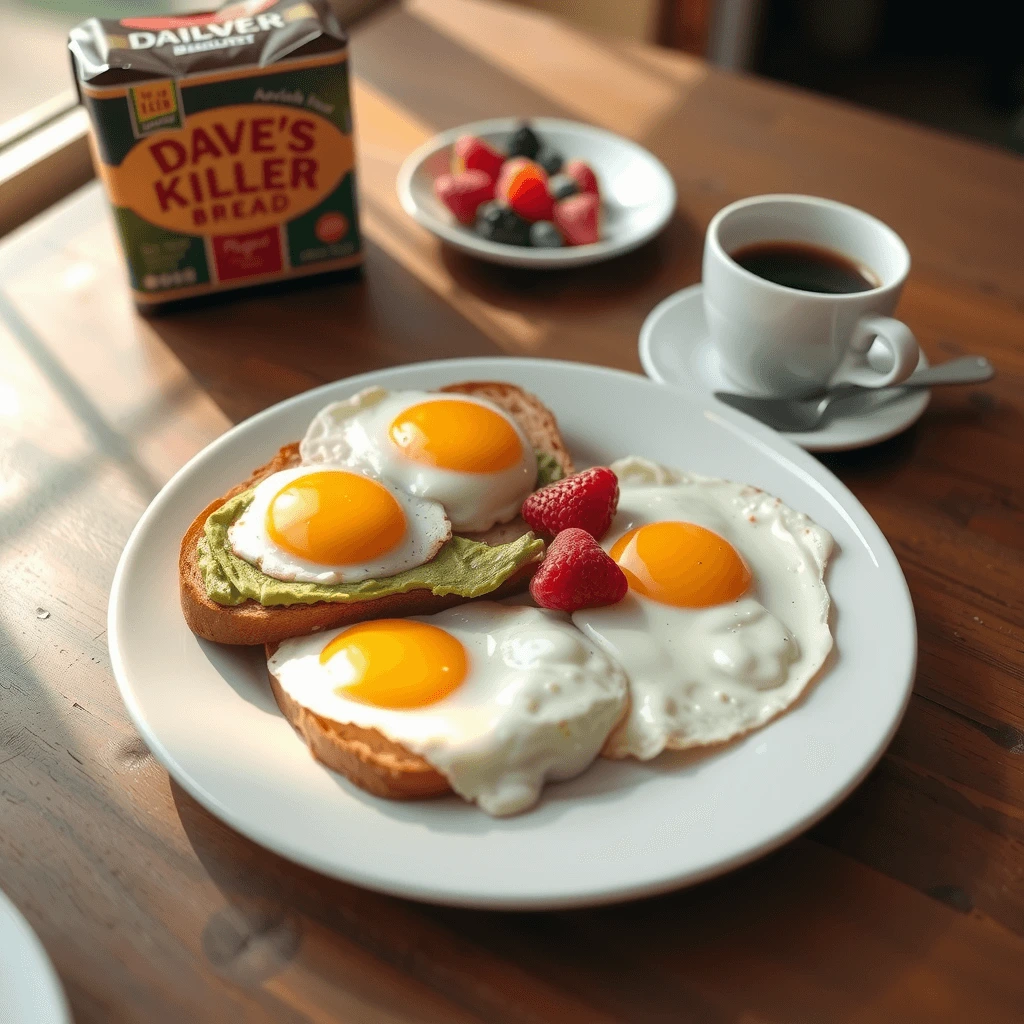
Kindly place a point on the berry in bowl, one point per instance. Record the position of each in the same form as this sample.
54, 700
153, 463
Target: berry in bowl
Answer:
522, 194
544, 193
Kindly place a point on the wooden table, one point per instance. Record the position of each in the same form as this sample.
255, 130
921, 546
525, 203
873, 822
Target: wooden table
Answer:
906, 904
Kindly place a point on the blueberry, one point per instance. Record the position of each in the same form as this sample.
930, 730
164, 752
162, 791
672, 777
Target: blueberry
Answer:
550, 160
514, 229
561, 186
544, 235
488, 213
500, 224
523, 142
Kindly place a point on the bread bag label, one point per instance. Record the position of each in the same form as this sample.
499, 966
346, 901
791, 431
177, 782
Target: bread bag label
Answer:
224, 141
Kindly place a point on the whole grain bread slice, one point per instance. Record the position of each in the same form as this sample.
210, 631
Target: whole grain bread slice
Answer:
252, 623
366, 756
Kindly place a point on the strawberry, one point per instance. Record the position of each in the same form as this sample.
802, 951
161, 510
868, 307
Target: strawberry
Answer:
524, 186
579, 218
473, 154
510, 170
577, 573
582, 174
464, 193
531, 200
585, 501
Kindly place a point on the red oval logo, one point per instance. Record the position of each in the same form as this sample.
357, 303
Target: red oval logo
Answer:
331, 227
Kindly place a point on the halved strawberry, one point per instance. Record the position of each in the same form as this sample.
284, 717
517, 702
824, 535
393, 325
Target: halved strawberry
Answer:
583, 174
473, 154
579, 218
464, 193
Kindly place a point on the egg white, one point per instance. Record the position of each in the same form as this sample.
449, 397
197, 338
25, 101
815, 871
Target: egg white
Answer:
427, 529
355, 433
707, 675
538, 702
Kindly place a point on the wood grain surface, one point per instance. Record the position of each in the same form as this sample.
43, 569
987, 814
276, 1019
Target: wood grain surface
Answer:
906, 904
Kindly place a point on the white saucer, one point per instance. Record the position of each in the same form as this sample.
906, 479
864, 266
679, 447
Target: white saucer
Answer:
675, 349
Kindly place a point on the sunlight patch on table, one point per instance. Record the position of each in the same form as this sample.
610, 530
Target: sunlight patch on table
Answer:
387, 134
568, 67
385, 128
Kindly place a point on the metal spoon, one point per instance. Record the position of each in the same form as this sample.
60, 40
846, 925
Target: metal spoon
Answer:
794, 415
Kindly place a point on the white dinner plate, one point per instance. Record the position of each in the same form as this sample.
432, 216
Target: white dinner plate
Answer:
620, 830
30, 991
638, 194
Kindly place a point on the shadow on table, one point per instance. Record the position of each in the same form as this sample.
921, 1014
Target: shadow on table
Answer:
749, 943
875, 461
252, 349
591, 289
249, 350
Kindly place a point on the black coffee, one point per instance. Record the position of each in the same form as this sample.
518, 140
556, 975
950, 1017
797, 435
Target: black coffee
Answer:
809, 268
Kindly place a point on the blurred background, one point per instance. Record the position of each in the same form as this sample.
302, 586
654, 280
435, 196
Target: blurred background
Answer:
952, 65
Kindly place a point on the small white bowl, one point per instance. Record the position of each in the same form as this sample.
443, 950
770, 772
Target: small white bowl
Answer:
637, 192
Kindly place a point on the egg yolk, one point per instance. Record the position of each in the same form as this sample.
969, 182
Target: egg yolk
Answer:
681, 564
398, 663
335, 518
460, 436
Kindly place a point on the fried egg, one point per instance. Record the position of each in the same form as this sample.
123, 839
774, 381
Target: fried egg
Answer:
459, 450
326, 524
498, 699
726, 618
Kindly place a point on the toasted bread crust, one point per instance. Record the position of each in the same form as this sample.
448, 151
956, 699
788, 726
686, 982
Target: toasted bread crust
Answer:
251, 623
364, 756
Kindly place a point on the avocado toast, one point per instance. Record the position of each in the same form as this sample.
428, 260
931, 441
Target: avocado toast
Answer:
229, 601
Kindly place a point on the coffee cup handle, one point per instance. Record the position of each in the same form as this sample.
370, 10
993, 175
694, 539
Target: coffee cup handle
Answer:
891, 334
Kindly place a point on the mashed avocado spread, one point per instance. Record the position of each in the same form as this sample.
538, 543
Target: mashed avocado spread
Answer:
465, 567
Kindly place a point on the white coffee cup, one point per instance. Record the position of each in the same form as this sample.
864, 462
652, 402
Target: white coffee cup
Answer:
775, 340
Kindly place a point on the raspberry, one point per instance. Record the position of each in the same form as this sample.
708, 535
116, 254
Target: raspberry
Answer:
577, 573
585, 501
464, 193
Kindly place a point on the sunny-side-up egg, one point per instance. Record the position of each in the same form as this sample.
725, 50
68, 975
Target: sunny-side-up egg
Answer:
726, 618
326, 524
498, 699
460, 450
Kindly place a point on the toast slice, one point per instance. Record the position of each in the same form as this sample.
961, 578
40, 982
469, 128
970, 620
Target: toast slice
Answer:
252, 623
364, 756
